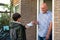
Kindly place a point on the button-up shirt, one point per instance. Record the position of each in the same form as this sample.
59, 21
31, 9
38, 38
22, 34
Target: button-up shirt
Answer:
44, 21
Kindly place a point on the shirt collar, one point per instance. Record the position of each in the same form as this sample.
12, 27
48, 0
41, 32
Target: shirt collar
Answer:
45, 13
17, 22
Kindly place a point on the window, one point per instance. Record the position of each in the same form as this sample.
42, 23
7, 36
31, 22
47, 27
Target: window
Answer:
17, 9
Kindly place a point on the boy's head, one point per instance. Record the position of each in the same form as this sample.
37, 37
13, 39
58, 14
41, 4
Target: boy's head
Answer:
16, 17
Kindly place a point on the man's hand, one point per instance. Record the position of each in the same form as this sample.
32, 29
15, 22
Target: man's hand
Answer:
47, 37
34, 22
49, 31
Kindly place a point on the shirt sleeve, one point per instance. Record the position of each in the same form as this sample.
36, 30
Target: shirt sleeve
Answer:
50, 19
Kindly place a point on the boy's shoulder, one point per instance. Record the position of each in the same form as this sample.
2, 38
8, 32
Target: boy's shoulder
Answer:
13, 24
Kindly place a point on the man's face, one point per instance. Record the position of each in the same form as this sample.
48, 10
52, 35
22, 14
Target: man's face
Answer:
44, 8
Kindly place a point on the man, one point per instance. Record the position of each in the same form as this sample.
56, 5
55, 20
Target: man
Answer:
44, 23
17, 30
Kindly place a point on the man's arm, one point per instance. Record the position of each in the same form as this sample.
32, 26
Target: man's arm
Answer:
49, 31
32, 23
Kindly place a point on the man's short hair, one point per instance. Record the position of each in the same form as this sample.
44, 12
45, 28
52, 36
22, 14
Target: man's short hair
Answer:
16, 16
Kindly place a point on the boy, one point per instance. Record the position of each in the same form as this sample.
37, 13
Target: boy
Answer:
17, 30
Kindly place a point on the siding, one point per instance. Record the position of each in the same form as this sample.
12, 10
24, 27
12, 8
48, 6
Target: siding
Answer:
57, 20
29, 13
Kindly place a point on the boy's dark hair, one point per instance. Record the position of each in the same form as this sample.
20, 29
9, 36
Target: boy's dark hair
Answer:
16, 16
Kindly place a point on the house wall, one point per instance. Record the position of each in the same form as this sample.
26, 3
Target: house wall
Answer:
28, 10
56, 19
29, 13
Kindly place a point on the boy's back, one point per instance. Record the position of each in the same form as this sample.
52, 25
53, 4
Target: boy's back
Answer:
17, 31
